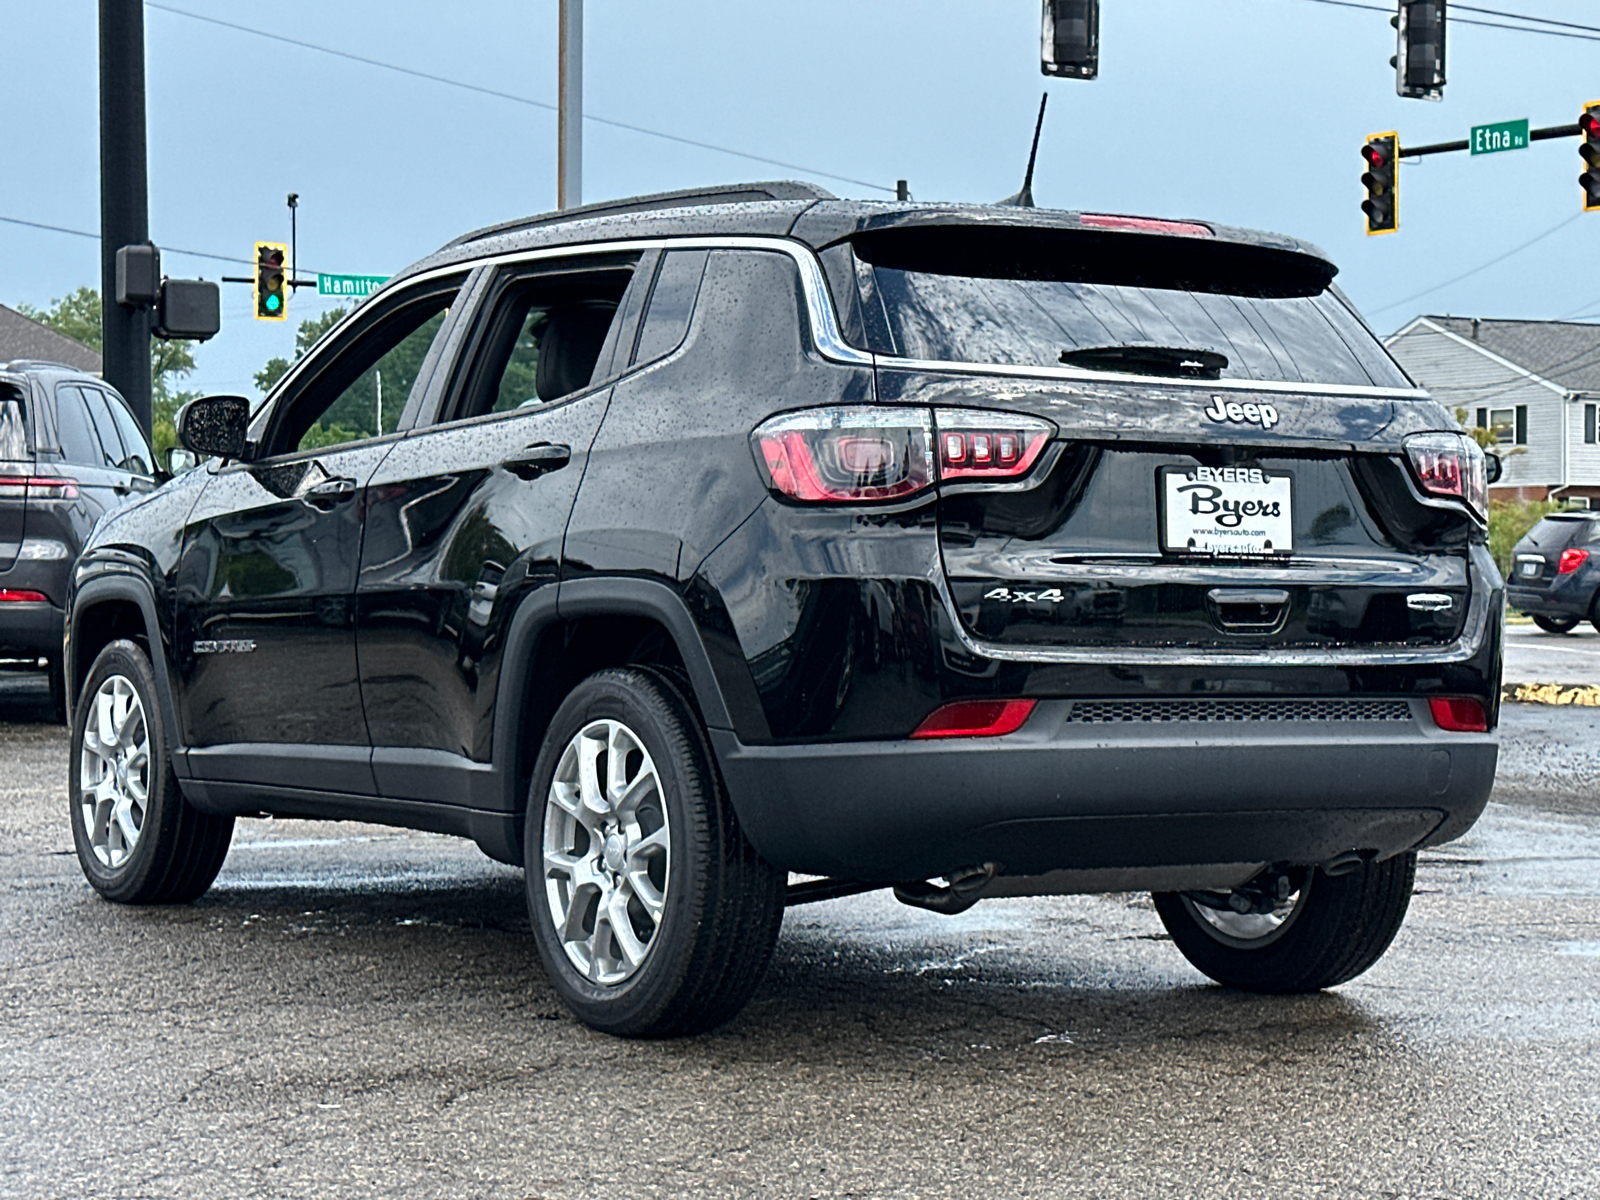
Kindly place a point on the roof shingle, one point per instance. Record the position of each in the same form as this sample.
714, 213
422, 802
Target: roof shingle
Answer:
23, 337
1567, 353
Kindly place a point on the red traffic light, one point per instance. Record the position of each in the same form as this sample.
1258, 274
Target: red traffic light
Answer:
1373, 154
1589, 124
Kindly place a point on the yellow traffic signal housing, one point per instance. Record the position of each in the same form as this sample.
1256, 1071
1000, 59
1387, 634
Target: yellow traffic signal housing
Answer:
272, 281
1382, 181
1589, 148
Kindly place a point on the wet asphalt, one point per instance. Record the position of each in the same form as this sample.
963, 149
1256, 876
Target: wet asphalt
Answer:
1534, 656
355, 1011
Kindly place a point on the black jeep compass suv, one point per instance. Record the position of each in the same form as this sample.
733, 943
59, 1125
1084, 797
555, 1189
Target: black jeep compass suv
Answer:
672, 546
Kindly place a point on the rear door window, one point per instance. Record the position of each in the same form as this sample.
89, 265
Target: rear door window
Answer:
105, 426
137, 457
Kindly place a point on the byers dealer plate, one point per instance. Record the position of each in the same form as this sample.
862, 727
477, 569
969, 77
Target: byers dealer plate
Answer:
1227, 510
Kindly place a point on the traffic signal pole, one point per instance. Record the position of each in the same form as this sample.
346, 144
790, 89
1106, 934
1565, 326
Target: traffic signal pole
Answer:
569, 120
124, 200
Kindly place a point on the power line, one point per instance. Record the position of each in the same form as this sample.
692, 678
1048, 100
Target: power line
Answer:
1484, 266
514, 98
1560, 33
84, 233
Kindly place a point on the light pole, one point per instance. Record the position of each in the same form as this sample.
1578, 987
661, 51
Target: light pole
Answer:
569, 138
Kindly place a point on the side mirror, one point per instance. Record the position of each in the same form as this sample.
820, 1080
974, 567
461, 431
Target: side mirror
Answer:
180, 460
1493, 466
215, 425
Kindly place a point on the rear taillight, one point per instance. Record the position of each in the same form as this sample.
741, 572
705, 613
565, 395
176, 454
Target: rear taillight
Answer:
1571, 560
37, 487
1459, 714
985, 445
1451, 465
849, 454
975, 718
19, 596
863, 454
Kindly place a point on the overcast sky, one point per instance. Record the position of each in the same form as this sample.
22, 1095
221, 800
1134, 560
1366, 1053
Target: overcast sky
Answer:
1249, 112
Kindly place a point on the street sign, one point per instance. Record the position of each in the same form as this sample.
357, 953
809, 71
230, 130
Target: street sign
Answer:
1503, 135
364, 285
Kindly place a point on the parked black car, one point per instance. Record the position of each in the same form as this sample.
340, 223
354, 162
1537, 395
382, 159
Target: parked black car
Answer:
1555, 571
69, 451
694, 540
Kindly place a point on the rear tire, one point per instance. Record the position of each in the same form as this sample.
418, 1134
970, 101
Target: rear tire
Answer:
1334, 928
138, 840
653, 914
1559, 624
1594, 612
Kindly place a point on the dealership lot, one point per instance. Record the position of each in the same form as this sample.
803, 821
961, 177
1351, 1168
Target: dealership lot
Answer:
354, 1009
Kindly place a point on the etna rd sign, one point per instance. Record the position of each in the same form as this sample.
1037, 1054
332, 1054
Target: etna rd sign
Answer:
1503, 135
364, 285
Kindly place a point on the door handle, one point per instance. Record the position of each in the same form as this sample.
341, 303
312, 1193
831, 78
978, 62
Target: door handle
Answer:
537, 459
330, 492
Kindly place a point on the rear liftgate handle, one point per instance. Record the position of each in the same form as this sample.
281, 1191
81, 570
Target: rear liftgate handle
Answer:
1248, 610
537, 459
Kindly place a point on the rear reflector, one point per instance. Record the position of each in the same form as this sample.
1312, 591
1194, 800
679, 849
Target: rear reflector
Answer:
975, 718
1458, 714
34, 487
1571, 560
18, 596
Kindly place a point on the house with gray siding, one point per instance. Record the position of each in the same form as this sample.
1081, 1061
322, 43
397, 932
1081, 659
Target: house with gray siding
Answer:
1535, 383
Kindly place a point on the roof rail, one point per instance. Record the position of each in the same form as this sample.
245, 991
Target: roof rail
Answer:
727, 193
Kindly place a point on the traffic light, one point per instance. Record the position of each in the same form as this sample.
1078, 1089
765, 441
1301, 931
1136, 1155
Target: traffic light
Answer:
1589, 147
272, 283
1419, 58
1382, 181
1071, 38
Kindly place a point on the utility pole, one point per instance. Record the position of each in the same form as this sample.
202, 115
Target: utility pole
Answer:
124, 200
569, 135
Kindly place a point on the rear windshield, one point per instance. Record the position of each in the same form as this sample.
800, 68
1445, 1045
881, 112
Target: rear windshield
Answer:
1270, 318
1562, 530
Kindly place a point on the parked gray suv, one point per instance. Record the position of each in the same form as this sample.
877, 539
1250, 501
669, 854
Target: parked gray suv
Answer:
69, 451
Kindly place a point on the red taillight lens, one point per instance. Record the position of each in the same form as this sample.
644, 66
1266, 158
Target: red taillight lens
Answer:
975, 718
974, 444
1458, 714
18, 596
1571, 560
36, 487
1451, 465
850, 454
871, 453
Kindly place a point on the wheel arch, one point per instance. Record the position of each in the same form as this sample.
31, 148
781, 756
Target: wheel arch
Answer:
551, 644
105, 609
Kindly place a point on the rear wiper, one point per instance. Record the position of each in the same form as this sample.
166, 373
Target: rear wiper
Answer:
1149, 358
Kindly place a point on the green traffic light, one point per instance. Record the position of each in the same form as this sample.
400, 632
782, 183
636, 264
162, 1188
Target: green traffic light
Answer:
274, 303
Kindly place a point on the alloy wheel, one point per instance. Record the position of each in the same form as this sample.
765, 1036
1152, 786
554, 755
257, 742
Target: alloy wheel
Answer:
114, 771
1250, 917
606, 852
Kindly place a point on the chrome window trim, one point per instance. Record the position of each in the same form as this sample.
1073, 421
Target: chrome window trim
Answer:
830, 341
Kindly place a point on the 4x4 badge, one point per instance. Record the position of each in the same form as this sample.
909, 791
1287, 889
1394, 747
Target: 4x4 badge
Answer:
1224, 412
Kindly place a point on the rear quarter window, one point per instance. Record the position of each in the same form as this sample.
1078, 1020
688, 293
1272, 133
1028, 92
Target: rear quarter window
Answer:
13, 433
672, 299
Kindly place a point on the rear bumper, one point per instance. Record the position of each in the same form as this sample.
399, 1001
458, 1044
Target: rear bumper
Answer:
1061, 794
29, 630
1563, 596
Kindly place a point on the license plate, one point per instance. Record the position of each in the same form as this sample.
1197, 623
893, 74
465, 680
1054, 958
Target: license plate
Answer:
1227, 510
1530, 567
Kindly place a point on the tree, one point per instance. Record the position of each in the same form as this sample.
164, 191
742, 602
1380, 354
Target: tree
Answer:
77, 315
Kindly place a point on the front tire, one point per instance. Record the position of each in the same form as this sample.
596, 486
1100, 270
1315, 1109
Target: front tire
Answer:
1556, 624
653, 914
1301, 930
138, 840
